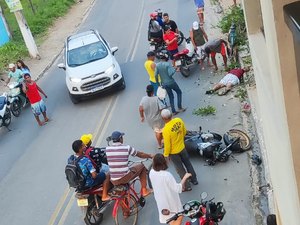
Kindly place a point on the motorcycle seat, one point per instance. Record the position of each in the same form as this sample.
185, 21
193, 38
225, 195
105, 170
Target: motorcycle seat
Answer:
2, 102
183, 52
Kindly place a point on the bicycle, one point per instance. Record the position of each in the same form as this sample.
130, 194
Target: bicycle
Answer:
127, 200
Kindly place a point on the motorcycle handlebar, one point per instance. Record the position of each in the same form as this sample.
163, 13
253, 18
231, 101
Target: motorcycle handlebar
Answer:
175, 217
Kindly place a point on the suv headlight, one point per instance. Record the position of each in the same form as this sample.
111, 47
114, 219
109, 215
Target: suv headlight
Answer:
110, 69
75, 79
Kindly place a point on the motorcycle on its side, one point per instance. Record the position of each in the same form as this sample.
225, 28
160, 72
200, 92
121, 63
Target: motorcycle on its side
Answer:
187, 58
5, 113
209, 144
200, 212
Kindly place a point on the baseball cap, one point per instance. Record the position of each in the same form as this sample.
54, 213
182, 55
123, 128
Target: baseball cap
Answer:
86, 138
149, 88
195, 25
11, 65
116, 135
151, 53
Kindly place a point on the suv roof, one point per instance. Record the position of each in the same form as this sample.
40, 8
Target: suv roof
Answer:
82, 39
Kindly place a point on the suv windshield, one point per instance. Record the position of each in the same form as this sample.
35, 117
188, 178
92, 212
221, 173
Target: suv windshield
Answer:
86, 54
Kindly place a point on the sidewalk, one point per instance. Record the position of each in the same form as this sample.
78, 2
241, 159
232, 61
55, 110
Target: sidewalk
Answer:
53, 42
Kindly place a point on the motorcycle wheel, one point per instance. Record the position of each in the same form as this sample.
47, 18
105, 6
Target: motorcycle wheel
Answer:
243, 145
16, 108
7, 118
180, 38
93, 216
185, 71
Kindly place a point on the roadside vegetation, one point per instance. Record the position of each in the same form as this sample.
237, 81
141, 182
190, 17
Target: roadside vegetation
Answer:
205, 111
40, 15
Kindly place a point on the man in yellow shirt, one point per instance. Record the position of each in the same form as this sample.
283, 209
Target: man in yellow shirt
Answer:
150, 68
173, 136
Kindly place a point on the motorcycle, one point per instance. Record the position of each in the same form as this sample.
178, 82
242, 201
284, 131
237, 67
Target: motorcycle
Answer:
5, 113
17, 99
157, 45
209, 144
186, 58
200, 212
92, 205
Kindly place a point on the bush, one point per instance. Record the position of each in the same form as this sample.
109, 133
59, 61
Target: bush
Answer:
11, 52
234, 14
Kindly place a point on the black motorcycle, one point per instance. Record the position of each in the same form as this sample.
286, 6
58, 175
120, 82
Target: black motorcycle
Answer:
209, 144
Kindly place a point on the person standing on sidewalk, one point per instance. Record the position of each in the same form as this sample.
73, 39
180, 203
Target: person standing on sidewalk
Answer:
166, 189
173, 135
150, 68
198, 38
200, 10
150, 108
166, 73
31, 89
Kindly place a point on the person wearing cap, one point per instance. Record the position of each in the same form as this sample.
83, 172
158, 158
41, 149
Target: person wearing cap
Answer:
154, 29
200, 10
170, 39
166, 72
198, 38
174, 132
150, 108
150, 68
14, 73
117, 157
170, 23
215, 46
96, 155
92, 178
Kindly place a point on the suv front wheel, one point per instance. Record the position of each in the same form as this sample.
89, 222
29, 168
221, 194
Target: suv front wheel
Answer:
74, 99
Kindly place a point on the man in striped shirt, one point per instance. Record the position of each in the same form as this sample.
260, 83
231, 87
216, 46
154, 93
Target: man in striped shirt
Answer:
117, 158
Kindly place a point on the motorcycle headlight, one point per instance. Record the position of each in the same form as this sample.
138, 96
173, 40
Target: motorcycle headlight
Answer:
75, 79
110, 69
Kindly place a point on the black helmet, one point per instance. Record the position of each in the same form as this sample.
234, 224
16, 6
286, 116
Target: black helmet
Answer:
163, 55
167, 27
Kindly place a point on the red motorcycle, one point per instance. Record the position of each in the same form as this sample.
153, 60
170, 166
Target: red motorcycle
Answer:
90, 201
200, 212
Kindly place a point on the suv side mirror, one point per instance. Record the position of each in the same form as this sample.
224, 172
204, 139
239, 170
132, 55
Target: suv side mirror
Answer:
113, 50
62, 66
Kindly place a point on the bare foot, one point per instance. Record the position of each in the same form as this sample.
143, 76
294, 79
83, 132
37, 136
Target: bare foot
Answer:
146, 192
47, 119
41, 124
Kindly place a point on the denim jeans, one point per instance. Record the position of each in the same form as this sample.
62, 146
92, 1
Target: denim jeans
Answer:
174, 86
155, 86
183, 165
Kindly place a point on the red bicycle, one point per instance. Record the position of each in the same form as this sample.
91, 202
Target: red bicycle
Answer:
128, 201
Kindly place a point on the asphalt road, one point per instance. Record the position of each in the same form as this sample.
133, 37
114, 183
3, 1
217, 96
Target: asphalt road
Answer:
32, 159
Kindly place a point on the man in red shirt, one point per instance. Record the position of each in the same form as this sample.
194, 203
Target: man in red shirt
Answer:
37, 104
229, 80
170, 38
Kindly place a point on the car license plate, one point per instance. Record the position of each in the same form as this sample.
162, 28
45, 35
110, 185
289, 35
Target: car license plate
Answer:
82, 202
178, 63
152, 47
97, 88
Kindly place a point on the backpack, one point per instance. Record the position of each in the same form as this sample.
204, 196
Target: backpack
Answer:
74, 173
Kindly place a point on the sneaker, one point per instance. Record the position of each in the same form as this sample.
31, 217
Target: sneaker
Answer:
181, 109
209, 92
194, 182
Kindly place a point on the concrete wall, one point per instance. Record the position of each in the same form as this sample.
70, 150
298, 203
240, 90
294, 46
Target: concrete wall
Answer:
274, 65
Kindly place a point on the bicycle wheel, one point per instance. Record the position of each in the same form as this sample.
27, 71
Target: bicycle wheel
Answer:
127, 211
243, 145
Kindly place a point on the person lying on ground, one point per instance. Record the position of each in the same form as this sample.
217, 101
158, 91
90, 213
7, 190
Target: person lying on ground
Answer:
231, 79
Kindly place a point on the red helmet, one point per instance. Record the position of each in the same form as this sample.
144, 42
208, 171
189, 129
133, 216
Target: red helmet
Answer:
153, 15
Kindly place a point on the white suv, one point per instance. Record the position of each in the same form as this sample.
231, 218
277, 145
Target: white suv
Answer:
90, 65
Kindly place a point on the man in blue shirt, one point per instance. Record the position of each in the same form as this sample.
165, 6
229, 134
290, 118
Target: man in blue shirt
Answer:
88, 170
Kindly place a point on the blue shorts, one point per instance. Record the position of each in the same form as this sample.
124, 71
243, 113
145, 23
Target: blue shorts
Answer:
172, 53
38, 108
104, 168
99, 179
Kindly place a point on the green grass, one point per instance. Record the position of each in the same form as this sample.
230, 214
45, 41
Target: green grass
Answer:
241, 93
205, 111
39, 19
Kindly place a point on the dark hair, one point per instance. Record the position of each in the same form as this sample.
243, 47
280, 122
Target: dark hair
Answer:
165, 14
151, 53
150, 90
26, 75
167, 27
22, 64
159, 162
77, 145
271, 220
207, 50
